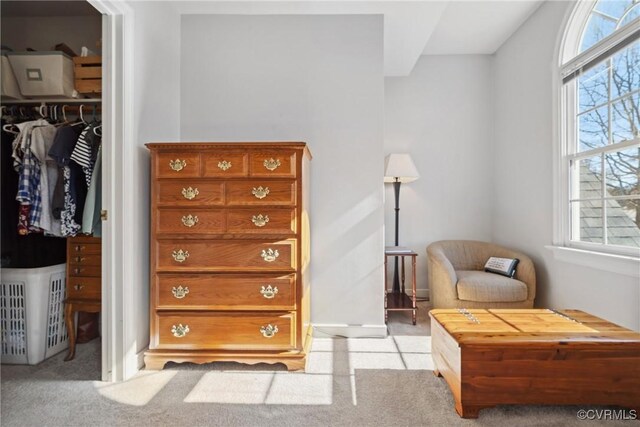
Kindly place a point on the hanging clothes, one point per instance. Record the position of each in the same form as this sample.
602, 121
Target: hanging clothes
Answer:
86, 149
28, 168
91, 222
42, 138
73, 178
21, 251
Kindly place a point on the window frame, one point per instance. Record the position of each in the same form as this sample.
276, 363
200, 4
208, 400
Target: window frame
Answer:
570, 62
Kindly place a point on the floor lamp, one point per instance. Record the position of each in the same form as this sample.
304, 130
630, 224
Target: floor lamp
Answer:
398, 168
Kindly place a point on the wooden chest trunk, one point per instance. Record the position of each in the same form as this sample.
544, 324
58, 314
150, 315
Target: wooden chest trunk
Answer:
229, 253
536, 356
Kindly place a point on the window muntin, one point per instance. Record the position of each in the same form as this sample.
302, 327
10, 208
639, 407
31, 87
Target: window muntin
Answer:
603, 141
606, 17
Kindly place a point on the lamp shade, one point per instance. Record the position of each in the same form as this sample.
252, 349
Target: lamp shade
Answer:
399, 167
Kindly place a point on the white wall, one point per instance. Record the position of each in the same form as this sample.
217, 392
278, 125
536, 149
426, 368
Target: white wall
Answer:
156, 117
19, 32
441, 114
317, 79
523, 175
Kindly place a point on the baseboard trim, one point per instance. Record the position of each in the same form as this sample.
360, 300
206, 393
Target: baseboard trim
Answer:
140, 357
331, 330
422, 293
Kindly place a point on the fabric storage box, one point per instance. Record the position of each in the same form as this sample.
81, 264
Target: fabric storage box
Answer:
32, 313
43, 74
10, 89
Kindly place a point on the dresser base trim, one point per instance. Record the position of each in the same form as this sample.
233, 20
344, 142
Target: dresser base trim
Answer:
156, 359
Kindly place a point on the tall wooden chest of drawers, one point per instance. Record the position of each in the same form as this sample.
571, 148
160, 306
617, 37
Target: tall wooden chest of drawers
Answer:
229, 253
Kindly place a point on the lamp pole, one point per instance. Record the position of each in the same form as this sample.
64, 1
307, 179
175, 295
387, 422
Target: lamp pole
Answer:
396, 192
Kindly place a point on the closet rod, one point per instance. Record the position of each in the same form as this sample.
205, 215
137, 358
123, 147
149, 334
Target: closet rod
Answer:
52, 101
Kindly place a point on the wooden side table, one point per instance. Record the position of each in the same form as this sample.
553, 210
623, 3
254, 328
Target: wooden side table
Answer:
84, 287
400, 301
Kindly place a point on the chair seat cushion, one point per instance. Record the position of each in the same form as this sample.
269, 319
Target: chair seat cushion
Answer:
481, 286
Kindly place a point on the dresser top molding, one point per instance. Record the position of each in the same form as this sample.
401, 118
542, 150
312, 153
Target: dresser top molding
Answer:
204, 146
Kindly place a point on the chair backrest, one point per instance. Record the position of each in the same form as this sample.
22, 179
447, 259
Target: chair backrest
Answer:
469, 254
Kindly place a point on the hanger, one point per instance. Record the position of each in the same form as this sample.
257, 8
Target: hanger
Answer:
81, 116
11, 128
97, 130
43, 111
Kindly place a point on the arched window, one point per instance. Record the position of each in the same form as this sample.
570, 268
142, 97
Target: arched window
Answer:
600, 149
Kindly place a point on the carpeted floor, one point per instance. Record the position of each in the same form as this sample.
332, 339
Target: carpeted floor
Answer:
354, 382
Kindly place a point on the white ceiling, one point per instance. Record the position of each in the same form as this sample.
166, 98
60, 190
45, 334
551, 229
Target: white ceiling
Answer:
411, 28
477, 27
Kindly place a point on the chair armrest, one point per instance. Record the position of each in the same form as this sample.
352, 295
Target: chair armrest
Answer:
442, 278
526, 273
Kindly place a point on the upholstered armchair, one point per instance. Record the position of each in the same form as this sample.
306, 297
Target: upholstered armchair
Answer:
457, 278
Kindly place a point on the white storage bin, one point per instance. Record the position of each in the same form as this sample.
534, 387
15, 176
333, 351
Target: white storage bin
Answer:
32, 313
43, 74
10, 89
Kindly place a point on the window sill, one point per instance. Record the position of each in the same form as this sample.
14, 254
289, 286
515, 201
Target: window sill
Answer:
620, 264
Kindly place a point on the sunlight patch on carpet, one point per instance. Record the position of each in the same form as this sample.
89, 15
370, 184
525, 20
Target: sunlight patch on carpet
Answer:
232, 387
139, 390
383, 345
413, 343
256, 388
375, 361
301, 389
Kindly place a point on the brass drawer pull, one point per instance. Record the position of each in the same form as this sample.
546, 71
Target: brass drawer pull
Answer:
260, 192
269, 255
78, 287
268, 331
190, 193
180, 292
80, 258
179, 331
271, 164
78, 270
260, 220
80, 248
189, 220
269, 292
224, 165
180, 255
177, 164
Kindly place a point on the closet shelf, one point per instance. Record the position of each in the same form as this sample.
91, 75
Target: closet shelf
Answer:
52, 101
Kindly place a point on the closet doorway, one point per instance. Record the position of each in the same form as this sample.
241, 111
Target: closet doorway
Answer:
52, 144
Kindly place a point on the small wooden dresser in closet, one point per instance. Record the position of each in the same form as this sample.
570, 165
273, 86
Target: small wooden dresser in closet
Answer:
84, 282
229, 253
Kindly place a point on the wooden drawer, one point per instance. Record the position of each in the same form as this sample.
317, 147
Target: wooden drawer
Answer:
84, 259
186, 221
85, 270
84, 288
229, 331
231, 255
281, 164
189, 192
81, 248
260, 192
261, 221
177, 165
225, 292
225, 164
